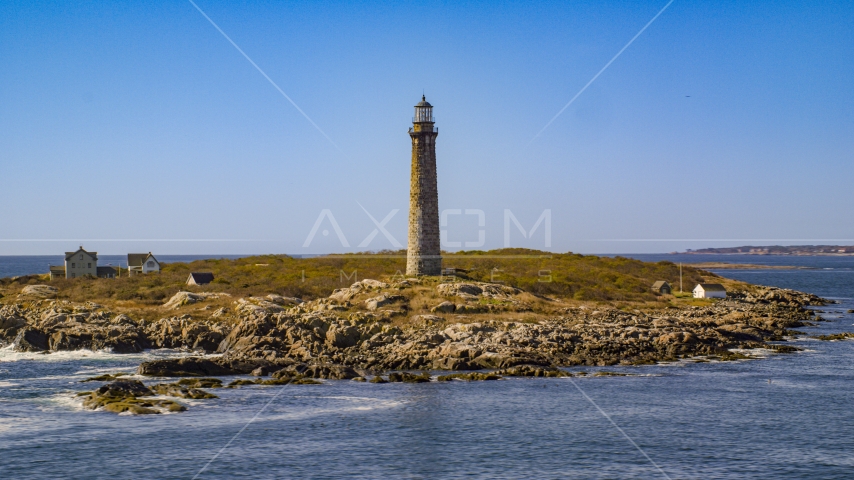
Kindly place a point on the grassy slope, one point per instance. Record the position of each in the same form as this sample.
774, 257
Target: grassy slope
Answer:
568, 276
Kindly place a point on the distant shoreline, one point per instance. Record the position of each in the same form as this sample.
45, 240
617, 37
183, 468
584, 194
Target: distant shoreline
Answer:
797, 250
746, 266
771, 254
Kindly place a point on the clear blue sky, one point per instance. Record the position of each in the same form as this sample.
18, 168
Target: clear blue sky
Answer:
126, 123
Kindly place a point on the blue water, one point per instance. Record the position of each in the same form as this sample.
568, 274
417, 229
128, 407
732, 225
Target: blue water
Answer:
828, 276
785, 416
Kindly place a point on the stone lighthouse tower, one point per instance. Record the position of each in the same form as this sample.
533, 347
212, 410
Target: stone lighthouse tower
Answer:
423, 256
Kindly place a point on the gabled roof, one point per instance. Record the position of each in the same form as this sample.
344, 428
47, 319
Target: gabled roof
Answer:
68, 255
201, 277
102, 270
659, 284
138, 259
711, 287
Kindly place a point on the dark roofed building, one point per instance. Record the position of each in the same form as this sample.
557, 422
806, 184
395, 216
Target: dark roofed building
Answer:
106, 272
57, 271
661, 287
198, 278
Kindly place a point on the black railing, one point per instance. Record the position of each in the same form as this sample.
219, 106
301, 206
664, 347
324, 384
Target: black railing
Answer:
433, 129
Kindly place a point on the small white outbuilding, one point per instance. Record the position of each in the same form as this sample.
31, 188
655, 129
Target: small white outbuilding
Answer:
709, 290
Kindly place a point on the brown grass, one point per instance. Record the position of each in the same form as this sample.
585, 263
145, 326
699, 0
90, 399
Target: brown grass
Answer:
569, 278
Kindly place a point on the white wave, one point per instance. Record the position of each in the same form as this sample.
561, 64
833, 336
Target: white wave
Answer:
302, 413
339, 397
752, 352
63, 401
94, 371
9, 354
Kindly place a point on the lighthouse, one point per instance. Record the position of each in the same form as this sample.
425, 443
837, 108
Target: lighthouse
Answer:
423, 256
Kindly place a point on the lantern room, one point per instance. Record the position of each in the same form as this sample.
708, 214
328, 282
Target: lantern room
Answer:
423, 112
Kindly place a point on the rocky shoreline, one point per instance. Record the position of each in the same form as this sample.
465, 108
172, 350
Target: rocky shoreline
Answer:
368, 330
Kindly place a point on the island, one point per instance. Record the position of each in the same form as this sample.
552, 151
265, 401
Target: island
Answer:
285, 320
777, 250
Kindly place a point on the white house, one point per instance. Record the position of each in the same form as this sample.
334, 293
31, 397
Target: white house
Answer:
709, 290
142, 263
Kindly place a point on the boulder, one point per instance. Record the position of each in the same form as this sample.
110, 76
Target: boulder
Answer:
12, 323
369, 283
343, 295
51, 319
450, 363
280, 300
444, 307
325, 371
31, 340
407, 377
458, 350
459, 289
533, 371
382, 300
498, 290
262, 371
188, 367
257, 306
208, 341
468, 377
199, 383
124, 388
123, 396
63, 341
122, 319
186, 298
493, 360
181, 391
42, 291
252, 327
342, 337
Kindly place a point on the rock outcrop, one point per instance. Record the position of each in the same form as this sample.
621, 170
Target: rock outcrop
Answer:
368, 327
41, 291
187, 298
128, 396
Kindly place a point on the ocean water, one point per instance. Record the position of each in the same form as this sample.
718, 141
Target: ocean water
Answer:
784, 416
